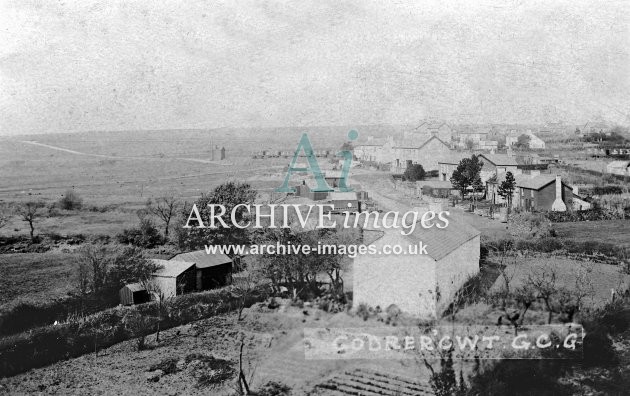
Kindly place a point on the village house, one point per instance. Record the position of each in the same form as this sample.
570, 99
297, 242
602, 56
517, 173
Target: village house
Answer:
427, 154
447, 166
494, 164
435, 128
372, 150
212, 270
537, 192
535, 143
418, 284
544, 193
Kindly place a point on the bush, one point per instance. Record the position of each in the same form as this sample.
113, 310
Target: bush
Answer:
70, 201
272, 388
146, 235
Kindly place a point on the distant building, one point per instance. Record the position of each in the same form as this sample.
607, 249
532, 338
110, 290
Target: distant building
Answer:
422, 285
621, 168
427, 154
544, 193
535, 143
438, 129
344, 201
447, 166
494, 164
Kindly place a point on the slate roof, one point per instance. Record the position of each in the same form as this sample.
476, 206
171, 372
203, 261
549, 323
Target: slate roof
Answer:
442, 241
202, 259
500, 159
171, 268
538, 182
455, 158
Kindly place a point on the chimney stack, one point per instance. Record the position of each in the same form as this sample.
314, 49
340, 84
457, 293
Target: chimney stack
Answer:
558, 205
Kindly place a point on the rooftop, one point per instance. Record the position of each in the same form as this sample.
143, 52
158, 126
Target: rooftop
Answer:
202, 259
538, 182
442, 241
500, 159
171, 268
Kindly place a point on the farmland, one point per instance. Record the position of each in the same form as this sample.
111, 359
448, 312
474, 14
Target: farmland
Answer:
611, 231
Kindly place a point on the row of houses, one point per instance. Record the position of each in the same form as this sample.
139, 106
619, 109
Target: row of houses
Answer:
182, 273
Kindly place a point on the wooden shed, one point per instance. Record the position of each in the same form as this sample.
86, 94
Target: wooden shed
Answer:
212, 270
174, 277
133, 293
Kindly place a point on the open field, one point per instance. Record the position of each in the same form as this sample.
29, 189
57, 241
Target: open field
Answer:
611, 231
35, 277
600, 279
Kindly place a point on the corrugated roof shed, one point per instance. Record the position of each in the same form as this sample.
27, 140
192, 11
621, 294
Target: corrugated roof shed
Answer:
203, 259
171, 268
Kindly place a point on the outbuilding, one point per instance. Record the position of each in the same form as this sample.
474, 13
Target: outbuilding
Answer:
133, 293
174, 277
212, 270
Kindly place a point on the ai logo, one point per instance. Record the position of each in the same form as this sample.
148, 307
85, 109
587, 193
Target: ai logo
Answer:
313, 166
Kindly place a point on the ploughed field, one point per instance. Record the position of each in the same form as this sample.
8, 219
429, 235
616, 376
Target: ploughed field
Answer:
611, 231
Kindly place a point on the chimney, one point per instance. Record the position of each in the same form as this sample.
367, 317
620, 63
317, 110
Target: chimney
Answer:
558, 205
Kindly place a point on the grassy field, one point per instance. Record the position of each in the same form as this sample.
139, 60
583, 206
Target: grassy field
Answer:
35, 277
601, 278
611, 231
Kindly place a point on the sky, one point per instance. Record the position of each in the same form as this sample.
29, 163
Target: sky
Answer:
68, 66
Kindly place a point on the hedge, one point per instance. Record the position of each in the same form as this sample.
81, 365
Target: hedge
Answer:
47, 345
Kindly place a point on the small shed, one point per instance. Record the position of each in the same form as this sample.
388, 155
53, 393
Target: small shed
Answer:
133, 293
175, 277
212, 270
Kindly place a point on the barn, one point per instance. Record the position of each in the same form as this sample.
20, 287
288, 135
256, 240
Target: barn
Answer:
212, 270
175, 277
133, 293
419, 284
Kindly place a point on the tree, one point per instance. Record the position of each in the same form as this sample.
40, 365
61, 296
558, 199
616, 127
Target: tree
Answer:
469, 144
467, 174
523, 141
165, 208
70, 201
4, 218
506, 188
29, 212
129, 265
229, 195
146, 235
94, 260
414, 172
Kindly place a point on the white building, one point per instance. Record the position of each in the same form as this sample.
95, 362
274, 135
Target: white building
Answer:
422, 285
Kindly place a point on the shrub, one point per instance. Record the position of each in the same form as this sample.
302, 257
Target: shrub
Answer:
272, 388
146, 235
70, 201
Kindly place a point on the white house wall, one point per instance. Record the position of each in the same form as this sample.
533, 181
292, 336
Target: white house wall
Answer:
407, 281
454, 270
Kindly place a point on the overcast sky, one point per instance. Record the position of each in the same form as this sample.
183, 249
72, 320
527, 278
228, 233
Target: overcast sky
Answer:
109, 65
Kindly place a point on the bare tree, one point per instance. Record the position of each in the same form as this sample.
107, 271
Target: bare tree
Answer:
29, 212
161, 300
4, 217
165, 208
544, 283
